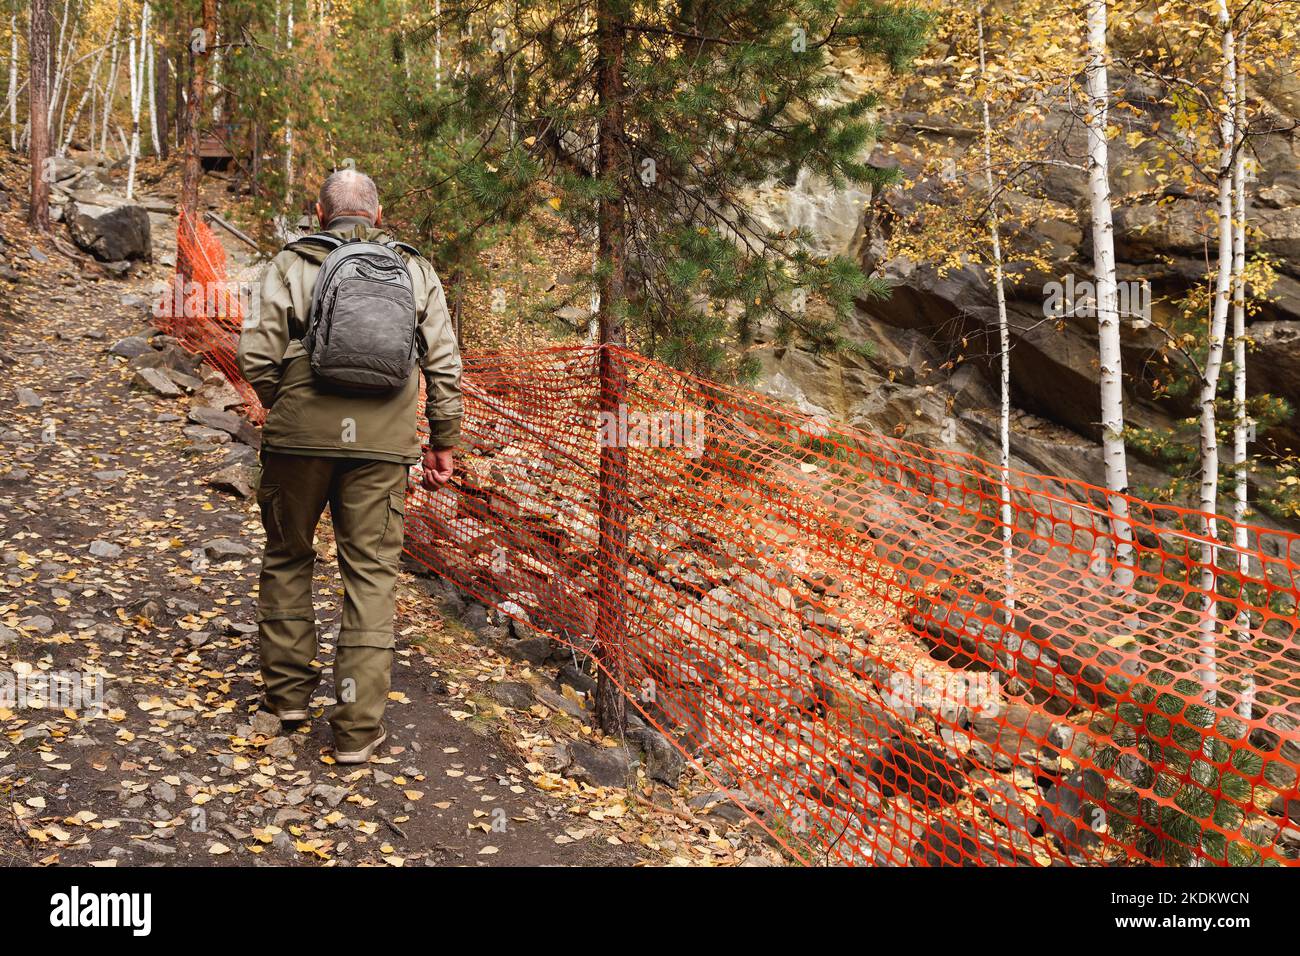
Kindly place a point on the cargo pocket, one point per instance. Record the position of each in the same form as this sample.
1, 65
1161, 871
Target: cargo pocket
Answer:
395, 526
268, 502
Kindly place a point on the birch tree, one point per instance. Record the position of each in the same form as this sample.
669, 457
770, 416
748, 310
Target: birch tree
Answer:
1218, 320
13, 82
109, 87
58, 52
151, 95
964, 214
289, 119
91, 82
136, 61
216, 79
1097, 84
1241, 425
1004, 331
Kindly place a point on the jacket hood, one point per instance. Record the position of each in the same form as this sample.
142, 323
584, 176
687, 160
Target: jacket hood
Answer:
345, 227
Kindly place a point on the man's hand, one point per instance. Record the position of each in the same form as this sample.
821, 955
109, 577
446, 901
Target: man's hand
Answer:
438, 466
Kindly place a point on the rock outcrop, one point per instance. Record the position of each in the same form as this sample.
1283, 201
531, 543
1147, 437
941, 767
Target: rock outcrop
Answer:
934, 378
111, 233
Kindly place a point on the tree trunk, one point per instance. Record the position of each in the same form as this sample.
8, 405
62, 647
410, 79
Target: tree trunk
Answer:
13, 82
1209, 491
114, 63
137, 57
66, 63
1242, 429
614, 512
151, 95
38, 91
160, 104
1241, 433
288, 121
56, 53
1108, 331
133, 74
91, 83
1004, 342
216, 80
199, 52
437, 45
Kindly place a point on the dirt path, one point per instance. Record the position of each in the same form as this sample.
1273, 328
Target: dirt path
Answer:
120, 563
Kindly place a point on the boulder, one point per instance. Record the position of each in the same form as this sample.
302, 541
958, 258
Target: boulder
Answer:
105, 549
111, 234
168, 356
601, 766
130, 347
532, 650
61, 169
513, 694
156, 382
220, 394
27, 398
663, 761
223, 549
239, 480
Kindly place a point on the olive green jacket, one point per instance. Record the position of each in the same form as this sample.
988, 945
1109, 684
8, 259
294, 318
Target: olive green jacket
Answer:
304, 420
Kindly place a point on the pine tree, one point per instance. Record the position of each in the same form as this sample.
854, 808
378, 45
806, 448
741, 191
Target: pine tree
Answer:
647, 125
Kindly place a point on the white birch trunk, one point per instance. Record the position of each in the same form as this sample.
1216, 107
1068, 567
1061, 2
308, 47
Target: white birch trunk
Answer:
91, 83
13, 81
151, 97
1004, 339
56, 58
135, 116
1108, 330
137, 57
214, 78
1209, 489
1241, 432
70, 64
288, 123
115, 63
60, 62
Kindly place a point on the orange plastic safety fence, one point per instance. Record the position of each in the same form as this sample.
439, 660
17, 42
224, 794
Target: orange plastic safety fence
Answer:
843, 633
203, 309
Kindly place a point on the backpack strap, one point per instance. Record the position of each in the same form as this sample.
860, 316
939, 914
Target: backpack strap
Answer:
406, 247
316, 239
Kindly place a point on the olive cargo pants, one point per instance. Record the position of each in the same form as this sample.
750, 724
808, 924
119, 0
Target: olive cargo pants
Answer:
367, 502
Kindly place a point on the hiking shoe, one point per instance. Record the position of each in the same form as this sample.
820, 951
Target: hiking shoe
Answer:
291, 716
364, 754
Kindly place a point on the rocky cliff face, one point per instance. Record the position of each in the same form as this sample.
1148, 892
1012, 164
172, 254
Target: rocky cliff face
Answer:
913, 388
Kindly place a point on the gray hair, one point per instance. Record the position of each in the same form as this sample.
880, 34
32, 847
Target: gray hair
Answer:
347, 192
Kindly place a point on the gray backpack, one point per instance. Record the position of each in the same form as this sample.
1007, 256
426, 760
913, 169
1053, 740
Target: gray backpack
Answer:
362, 333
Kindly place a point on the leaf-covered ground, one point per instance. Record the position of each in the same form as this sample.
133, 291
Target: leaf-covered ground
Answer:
121, 563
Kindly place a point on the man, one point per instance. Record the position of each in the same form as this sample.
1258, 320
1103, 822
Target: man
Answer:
351, 451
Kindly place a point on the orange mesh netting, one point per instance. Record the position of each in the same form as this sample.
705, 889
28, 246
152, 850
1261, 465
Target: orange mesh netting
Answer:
203, 309
844, 635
